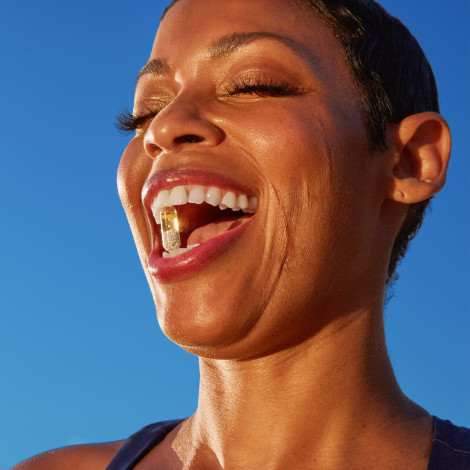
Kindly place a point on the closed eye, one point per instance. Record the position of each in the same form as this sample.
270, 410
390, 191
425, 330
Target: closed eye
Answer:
127, 122
261, 88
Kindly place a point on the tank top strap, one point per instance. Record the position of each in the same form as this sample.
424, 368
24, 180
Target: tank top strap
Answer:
450, 447
137, 446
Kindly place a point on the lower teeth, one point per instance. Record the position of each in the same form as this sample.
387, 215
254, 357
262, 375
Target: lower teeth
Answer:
178, 251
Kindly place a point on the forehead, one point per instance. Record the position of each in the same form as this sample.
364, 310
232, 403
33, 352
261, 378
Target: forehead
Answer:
192, 24
267, 12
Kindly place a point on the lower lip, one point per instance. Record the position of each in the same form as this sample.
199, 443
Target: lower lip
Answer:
194, 260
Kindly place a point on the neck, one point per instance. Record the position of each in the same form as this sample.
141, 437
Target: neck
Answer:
300, 404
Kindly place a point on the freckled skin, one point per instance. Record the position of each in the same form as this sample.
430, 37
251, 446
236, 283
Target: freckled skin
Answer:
288, 321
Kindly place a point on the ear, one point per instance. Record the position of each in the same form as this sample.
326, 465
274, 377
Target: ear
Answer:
421, 152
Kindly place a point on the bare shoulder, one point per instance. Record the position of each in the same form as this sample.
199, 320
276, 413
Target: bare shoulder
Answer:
89, 457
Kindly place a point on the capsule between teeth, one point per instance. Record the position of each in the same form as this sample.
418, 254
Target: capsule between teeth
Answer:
170, 228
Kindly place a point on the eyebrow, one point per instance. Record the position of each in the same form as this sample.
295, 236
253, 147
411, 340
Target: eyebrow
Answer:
225, 46
156, 67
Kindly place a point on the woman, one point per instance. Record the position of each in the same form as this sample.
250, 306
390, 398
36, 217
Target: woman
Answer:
295, 145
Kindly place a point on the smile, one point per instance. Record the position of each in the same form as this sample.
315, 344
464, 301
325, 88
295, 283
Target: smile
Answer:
210, 217
203, 213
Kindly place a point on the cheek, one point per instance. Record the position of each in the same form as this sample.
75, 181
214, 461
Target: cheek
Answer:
312, 157
290, 147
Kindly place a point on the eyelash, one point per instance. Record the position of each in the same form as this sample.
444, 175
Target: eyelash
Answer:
127, 122
261, 87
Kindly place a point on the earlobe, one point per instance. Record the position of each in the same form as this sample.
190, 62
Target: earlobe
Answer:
421, 148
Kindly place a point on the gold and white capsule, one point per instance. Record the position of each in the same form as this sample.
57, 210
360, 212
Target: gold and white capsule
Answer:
170, 228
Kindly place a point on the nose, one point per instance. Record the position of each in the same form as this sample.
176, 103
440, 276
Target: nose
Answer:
181, 124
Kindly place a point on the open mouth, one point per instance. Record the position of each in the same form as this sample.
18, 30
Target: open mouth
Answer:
198, 214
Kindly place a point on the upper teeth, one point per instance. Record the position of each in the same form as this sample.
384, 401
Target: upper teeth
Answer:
179, 195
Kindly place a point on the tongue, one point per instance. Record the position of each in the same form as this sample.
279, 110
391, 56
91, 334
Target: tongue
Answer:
214, 229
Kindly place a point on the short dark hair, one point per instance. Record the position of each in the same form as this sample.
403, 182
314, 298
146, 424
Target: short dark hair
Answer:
394, 78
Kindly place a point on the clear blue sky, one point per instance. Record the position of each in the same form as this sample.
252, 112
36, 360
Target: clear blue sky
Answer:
83, 359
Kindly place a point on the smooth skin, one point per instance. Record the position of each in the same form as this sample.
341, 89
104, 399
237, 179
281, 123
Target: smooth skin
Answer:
294, 369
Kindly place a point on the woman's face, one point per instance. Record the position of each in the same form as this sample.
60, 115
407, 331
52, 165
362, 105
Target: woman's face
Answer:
253, 98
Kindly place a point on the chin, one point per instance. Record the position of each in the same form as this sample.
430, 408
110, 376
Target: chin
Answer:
200, 320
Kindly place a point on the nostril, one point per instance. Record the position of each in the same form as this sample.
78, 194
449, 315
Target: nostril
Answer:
152, 149
189, 139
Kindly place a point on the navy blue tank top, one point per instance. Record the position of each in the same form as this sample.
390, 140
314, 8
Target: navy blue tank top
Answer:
450, 446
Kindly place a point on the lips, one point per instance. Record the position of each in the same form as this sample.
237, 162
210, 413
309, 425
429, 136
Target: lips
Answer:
213, 211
